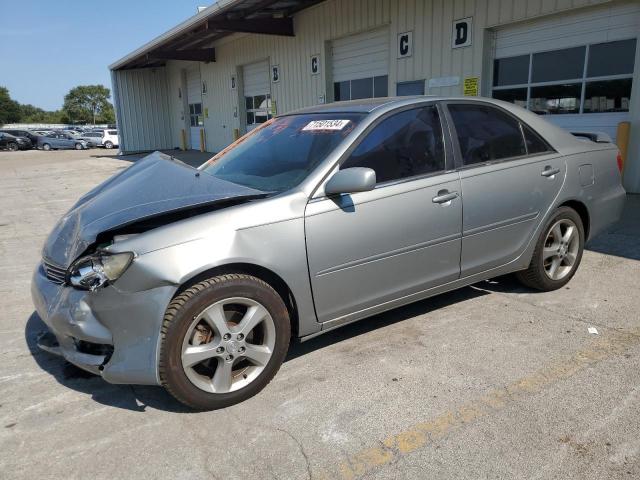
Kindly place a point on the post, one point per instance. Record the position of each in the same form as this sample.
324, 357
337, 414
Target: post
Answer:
236, 134
183, 140
202, 140
622, 139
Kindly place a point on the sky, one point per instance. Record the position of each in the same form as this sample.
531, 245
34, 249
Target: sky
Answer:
56, 45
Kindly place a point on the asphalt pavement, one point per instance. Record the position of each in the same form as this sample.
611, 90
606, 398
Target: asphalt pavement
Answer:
492, 381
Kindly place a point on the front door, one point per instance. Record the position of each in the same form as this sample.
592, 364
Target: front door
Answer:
509, 177
403, 237
196, 122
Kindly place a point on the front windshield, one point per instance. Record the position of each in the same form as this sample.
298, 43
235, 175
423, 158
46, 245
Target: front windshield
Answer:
281, 153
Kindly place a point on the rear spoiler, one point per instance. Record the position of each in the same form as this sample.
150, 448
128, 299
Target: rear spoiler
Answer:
597, 137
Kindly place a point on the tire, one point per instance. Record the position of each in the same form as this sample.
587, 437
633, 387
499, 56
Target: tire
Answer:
556, 246
189, 326
46, 147
108, 145
78, 146
13, 147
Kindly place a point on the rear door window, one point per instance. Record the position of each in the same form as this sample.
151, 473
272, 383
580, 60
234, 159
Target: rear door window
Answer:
404, 145
486, 133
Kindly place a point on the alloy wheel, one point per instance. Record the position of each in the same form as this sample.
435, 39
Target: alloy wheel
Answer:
561, 249
228, 345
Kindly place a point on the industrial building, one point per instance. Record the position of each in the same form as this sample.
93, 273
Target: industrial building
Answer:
236, 63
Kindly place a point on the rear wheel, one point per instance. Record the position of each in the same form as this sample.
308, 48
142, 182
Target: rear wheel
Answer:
108, 144
558, 252
46, 147
223, 340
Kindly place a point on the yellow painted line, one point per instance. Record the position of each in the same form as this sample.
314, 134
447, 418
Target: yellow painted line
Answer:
423, 434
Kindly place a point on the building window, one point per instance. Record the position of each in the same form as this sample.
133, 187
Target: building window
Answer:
195, 115
371, 87
593, 78
258, 109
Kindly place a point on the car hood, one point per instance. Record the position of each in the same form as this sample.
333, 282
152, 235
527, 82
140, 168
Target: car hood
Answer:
153, 186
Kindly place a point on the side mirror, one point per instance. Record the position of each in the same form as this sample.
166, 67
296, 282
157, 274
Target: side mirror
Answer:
351, 180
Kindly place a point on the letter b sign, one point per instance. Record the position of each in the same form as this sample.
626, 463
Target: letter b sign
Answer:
461, 35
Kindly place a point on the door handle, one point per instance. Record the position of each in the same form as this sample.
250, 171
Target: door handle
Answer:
444, 196
549, 172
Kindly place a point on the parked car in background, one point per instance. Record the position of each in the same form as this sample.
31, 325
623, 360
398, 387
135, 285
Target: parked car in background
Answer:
22, 133
92, 137
110, 139
60, 141
9, 142
91, 142
197, 280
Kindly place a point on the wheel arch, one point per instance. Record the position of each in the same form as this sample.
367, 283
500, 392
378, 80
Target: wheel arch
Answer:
582, 210
258, 271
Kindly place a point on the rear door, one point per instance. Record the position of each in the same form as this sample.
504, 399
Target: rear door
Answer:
509, 179
403, 237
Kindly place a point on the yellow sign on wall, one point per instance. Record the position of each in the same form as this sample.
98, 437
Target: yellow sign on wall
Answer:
471, 87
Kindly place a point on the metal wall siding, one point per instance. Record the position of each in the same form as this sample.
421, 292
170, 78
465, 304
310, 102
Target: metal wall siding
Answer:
331, 22
142, 109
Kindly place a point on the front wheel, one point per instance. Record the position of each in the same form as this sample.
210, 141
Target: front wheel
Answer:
46, 147
108, 145
557, 254
222, 341
13, 147
78, 146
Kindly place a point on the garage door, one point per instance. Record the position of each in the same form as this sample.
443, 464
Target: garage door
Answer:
257, 93
194, 98
576, 69
360, 65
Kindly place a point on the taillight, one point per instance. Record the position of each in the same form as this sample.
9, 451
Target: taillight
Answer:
619, 160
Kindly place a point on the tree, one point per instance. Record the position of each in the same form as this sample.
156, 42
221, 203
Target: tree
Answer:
32, 114
9, 108
86, 103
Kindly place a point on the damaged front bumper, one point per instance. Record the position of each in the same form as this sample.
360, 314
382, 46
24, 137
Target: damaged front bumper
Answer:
108, 332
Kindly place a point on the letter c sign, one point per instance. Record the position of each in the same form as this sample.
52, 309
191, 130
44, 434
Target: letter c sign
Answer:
461, 35
405, 44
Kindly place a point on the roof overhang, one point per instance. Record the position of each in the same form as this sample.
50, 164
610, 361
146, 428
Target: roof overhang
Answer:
193, 38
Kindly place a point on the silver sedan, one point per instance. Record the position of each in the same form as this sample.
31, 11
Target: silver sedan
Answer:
198, 279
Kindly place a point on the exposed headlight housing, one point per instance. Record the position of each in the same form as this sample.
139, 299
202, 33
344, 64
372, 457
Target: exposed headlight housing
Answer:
97, 270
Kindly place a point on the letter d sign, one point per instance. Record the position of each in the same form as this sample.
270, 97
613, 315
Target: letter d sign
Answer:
461, 35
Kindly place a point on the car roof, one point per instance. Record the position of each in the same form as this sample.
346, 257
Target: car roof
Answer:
366, 105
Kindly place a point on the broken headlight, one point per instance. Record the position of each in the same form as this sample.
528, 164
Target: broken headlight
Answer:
97, 270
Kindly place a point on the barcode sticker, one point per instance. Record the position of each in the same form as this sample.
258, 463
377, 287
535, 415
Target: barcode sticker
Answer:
326, 125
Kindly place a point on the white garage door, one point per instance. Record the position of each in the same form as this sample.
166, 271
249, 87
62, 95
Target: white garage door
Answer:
576, 69
257, 93
360, 65
194, 99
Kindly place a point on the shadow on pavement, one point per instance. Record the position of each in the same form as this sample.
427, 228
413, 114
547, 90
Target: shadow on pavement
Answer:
623, 239
137, 398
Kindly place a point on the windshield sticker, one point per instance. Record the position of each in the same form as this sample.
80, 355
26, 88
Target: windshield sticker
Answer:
326, 125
